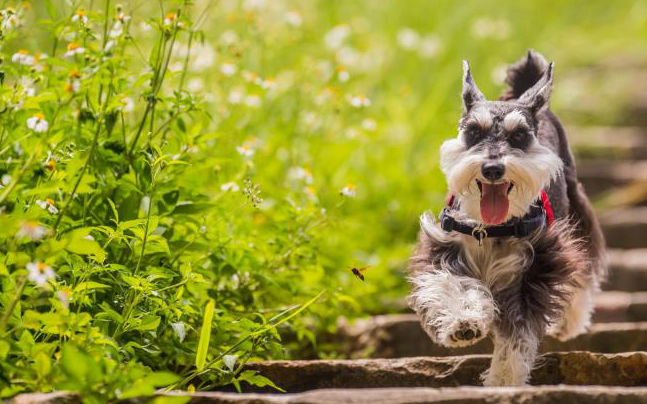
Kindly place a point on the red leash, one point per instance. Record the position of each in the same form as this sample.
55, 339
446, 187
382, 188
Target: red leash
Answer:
547, 208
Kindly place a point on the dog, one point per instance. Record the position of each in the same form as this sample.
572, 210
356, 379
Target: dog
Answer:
517, 252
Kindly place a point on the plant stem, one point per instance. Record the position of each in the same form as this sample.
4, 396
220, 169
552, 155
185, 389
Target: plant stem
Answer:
12, 305
148, 219
186, 60
78, 181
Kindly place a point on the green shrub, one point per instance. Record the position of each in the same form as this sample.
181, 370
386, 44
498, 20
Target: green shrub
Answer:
138, 249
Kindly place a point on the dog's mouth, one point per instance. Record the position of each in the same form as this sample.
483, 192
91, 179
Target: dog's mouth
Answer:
494, 201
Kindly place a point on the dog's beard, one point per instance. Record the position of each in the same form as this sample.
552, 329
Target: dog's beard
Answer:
527, 172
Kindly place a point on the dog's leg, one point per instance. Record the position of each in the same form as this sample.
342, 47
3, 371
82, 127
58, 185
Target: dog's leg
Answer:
455, 311
513, 358
577, 315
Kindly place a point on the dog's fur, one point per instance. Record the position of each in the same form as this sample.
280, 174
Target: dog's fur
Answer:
514, 289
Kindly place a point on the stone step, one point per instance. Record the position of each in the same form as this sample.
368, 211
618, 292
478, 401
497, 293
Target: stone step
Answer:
400, 335
625, 228
578, 368
602, 175
627, 270
615, 307
395, 395
628, 142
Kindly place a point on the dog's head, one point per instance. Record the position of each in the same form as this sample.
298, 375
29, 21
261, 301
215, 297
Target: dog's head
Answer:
496, 165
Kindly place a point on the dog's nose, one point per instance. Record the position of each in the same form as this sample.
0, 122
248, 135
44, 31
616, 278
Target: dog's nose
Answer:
493, 171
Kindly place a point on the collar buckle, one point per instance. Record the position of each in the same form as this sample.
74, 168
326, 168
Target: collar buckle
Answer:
479, 233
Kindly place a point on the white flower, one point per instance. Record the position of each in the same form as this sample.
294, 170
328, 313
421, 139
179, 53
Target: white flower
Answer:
204, 57
73, 86
179, 329
23, 57
10, 21
109, 45
252, 5
176, 66
128, 104
268, 83
116, 30
195, 84
499, 74
144, 26
48, 205
408, 38
342, 75
37, 123
37, 58
40, 273
229, 186
27, 85
5, 180
486, 27
293, 18
348, 191
236, 96
32, 229
80, 16
253, 101
336, 36
359, 101
169, 19
245, 150
369, 124
74, 49
352, 133
123, 17
311, 193
50, 161
228, 68
63, 296
300, 174
228, 37
429, 46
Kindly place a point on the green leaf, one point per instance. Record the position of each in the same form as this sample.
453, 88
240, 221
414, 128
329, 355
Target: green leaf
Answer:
148, 323
51, 9
304, 306
77, 241
188, 208
42, 364
161, 379
252, 377
85, 286
205, 336
75, 363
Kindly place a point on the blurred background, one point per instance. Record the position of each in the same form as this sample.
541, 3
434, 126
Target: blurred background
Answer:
336, 111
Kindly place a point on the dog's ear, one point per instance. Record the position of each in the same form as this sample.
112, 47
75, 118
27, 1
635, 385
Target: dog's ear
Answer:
538, 95
471, 93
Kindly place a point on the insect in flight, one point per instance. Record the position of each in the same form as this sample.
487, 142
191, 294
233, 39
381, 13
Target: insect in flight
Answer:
358, 272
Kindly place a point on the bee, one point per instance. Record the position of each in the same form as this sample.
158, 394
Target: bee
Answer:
358, 272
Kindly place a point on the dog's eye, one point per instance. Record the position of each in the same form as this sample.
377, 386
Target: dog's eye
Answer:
518, 138
474, 134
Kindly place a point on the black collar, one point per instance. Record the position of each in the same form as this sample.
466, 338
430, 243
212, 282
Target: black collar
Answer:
534, 220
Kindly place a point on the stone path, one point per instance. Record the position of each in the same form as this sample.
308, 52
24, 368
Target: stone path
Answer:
606, 365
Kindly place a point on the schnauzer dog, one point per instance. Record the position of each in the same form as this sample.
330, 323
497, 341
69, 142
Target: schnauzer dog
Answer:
517, 251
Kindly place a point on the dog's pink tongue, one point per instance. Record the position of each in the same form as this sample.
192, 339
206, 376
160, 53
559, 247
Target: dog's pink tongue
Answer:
494, 202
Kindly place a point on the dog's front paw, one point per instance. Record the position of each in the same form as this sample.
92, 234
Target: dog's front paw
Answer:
462, 333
